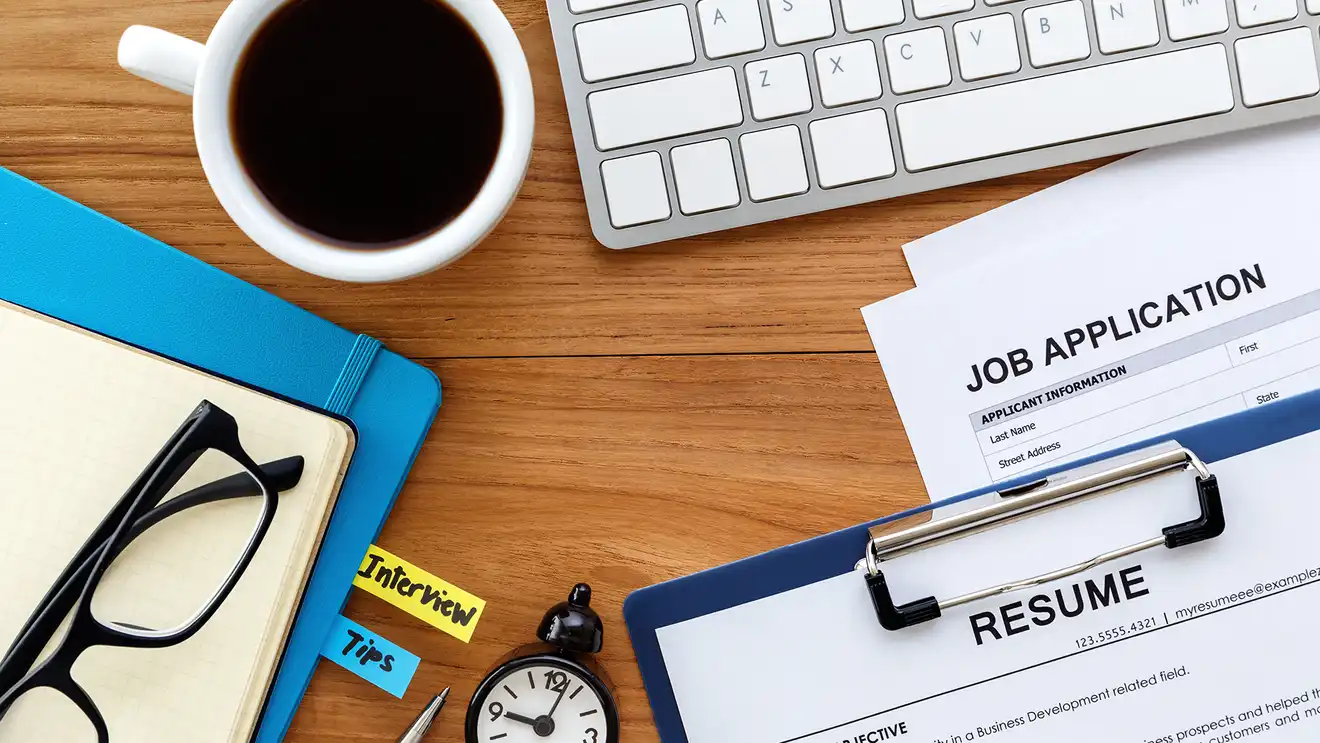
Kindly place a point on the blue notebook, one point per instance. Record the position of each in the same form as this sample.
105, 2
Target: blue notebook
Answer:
650, 610
62, 259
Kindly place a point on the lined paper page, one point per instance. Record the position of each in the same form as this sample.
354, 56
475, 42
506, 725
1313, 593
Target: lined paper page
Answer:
82, 416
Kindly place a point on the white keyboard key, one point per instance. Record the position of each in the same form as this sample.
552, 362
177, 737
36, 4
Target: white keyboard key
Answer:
1043, 111
848, 73
1189, 19
635, 189
1260, 12
583, 6
703, 176
648, 111
778, 86
918, 60
936, 8
1313, 7
1277, 67
1057, 33
987, 47
1124, 25
852, 148
863, 15
730, 27
774, 163
629, 44
801, 20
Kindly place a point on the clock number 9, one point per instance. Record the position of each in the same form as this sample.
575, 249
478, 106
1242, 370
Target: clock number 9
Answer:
496, 709
592, 732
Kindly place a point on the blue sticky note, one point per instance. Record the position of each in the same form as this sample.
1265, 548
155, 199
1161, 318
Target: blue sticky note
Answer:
370, 656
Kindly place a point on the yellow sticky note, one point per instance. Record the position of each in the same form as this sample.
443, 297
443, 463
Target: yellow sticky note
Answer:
432, 600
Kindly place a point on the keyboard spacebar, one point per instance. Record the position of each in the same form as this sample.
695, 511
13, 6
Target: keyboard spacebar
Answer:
1070, 106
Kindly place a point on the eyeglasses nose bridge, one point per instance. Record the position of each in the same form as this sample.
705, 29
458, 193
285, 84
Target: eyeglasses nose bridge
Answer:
83, 700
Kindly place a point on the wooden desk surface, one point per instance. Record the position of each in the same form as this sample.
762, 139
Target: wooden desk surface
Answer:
618, 418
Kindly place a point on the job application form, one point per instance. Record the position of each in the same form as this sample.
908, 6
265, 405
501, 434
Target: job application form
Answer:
1135, 327
1209, 643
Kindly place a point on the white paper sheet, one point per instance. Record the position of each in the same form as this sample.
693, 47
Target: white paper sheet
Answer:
1075, 397
1049, 217
1155, 662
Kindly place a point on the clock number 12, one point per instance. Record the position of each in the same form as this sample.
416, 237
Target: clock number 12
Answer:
556, 681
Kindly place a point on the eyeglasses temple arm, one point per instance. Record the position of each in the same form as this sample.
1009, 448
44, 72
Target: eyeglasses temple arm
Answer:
283, 475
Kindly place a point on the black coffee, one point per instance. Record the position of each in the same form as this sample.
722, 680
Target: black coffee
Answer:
367, 121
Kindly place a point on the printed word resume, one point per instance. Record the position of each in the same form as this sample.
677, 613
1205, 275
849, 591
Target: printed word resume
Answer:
1211, 643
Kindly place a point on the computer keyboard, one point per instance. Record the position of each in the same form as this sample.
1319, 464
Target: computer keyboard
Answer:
699, 116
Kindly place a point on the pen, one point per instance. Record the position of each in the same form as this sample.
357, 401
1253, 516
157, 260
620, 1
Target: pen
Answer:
417, 730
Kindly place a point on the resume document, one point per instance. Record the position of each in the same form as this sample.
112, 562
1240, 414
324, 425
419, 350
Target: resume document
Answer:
1210, 643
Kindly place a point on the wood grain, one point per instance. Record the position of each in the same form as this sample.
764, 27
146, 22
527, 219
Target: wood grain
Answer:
621, 418
622, 472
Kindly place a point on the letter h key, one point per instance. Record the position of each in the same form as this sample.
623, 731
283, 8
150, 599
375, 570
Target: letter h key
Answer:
890, 539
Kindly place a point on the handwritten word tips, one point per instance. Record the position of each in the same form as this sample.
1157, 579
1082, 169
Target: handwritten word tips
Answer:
423, 595
370, 656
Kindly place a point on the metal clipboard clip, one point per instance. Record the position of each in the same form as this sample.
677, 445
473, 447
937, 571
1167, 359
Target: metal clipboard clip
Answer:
891, 540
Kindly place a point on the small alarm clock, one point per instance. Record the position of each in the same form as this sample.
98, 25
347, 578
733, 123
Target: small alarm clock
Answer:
552, 691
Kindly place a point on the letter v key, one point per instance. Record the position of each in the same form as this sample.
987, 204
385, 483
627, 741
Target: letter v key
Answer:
987, 46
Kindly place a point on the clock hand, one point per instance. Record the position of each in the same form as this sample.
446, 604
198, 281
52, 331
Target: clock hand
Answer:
519, 718
559, 699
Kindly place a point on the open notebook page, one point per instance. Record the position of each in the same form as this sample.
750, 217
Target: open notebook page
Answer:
83, 416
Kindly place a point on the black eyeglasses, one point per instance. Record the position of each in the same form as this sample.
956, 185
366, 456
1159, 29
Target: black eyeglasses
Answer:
115, 583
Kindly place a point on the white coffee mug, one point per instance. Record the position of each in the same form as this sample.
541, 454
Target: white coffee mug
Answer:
208, 72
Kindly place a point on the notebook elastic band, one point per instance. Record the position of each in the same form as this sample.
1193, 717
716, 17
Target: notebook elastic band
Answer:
355, 370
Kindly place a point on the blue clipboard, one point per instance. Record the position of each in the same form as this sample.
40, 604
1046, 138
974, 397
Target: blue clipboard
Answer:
647, 610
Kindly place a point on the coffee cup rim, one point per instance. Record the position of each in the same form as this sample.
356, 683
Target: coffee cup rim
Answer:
259, 219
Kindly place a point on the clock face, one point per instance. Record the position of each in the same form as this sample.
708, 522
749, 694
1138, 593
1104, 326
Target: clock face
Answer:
543, 701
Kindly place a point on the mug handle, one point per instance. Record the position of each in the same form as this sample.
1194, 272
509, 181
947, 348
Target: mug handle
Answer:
161, 57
